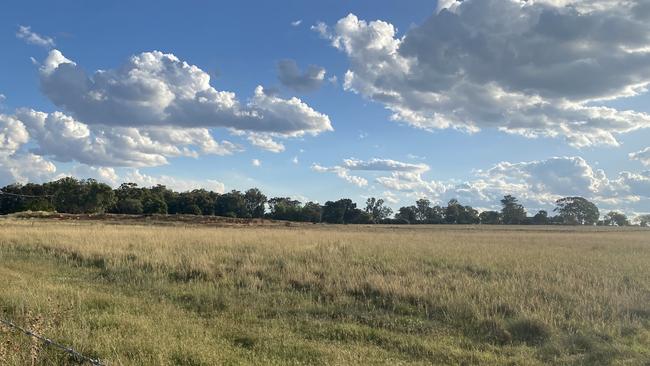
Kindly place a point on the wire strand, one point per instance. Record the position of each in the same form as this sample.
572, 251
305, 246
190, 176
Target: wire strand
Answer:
50, 342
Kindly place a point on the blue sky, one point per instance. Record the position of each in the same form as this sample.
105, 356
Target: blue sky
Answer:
419, 118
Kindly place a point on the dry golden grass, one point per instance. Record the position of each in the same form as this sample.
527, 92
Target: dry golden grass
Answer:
196, 295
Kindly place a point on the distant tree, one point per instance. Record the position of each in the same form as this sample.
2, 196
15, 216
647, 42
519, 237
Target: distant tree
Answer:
339, 212
453, 211
614, 218
128, 199
358, 216
423, 210
540, 218
231, 204
376, 210
154, 204
468, 216
407, 214
130, 206
577, 211
436, 215
512, 212
427, 214
312, 212
203, 199
39, 198
644, 220
285, 208
255, 202
81, 196
490, 218
10, 203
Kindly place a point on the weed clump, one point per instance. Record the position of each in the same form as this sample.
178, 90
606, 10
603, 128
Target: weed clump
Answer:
529, 331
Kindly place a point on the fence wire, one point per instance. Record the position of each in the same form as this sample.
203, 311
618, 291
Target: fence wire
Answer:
49, 342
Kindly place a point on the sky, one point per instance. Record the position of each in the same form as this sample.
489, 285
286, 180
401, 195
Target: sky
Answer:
323, 100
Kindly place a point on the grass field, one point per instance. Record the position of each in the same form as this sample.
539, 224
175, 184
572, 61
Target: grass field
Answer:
197, 295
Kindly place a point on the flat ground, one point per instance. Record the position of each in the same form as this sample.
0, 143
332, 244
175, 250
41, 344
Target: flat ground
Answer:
196, 295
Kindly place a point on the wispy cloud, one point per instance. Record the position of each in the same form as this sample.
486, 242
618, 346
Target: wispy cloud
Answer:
25, 33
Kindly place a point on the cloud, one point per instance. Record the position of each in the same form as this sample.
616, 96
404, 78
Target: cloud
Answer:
384, 165
643, 156
322, 29
538, 184
295, 160
13, 135
23, 168
175, 183
390, 197
16, 165
157, 89
256, 162
65, 139
296, 23
292, 77
266, 142
377, 165
343, 173
25, 33
413, 184
536, 68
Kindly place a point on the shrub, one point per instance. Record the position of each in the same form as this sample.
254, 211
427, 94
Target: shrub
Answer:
530, 331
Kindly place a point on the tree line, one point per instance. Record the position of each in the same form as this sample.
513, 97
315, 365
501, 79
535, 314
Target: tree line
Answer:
70, 195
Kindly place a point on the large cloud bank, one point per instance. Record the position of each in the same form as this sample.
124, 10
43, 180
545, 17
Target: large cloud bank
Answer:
535, 68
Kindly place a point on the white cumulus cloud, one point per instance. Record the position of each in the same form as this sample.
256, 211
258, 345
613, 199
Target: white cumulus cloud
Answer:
65, 139
342, 173
538, 184
265, 142
158, 89
643, 156
534, 68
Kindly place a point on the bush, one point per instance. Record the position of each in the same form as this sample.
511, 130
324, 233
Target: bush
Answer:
530, 331
129, 206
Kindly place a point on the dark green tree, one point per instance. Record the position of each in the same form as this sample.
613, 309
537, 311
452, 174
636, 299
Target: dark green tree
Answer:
512, 212
423, 210
231, 204
81, 196
376, 209
540, 218
614, 218
407, 214
255, 202
577, 211
130, 206
339, 212
468, 216
312, 212
490, 218
453, 211
285, 208
154, 204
